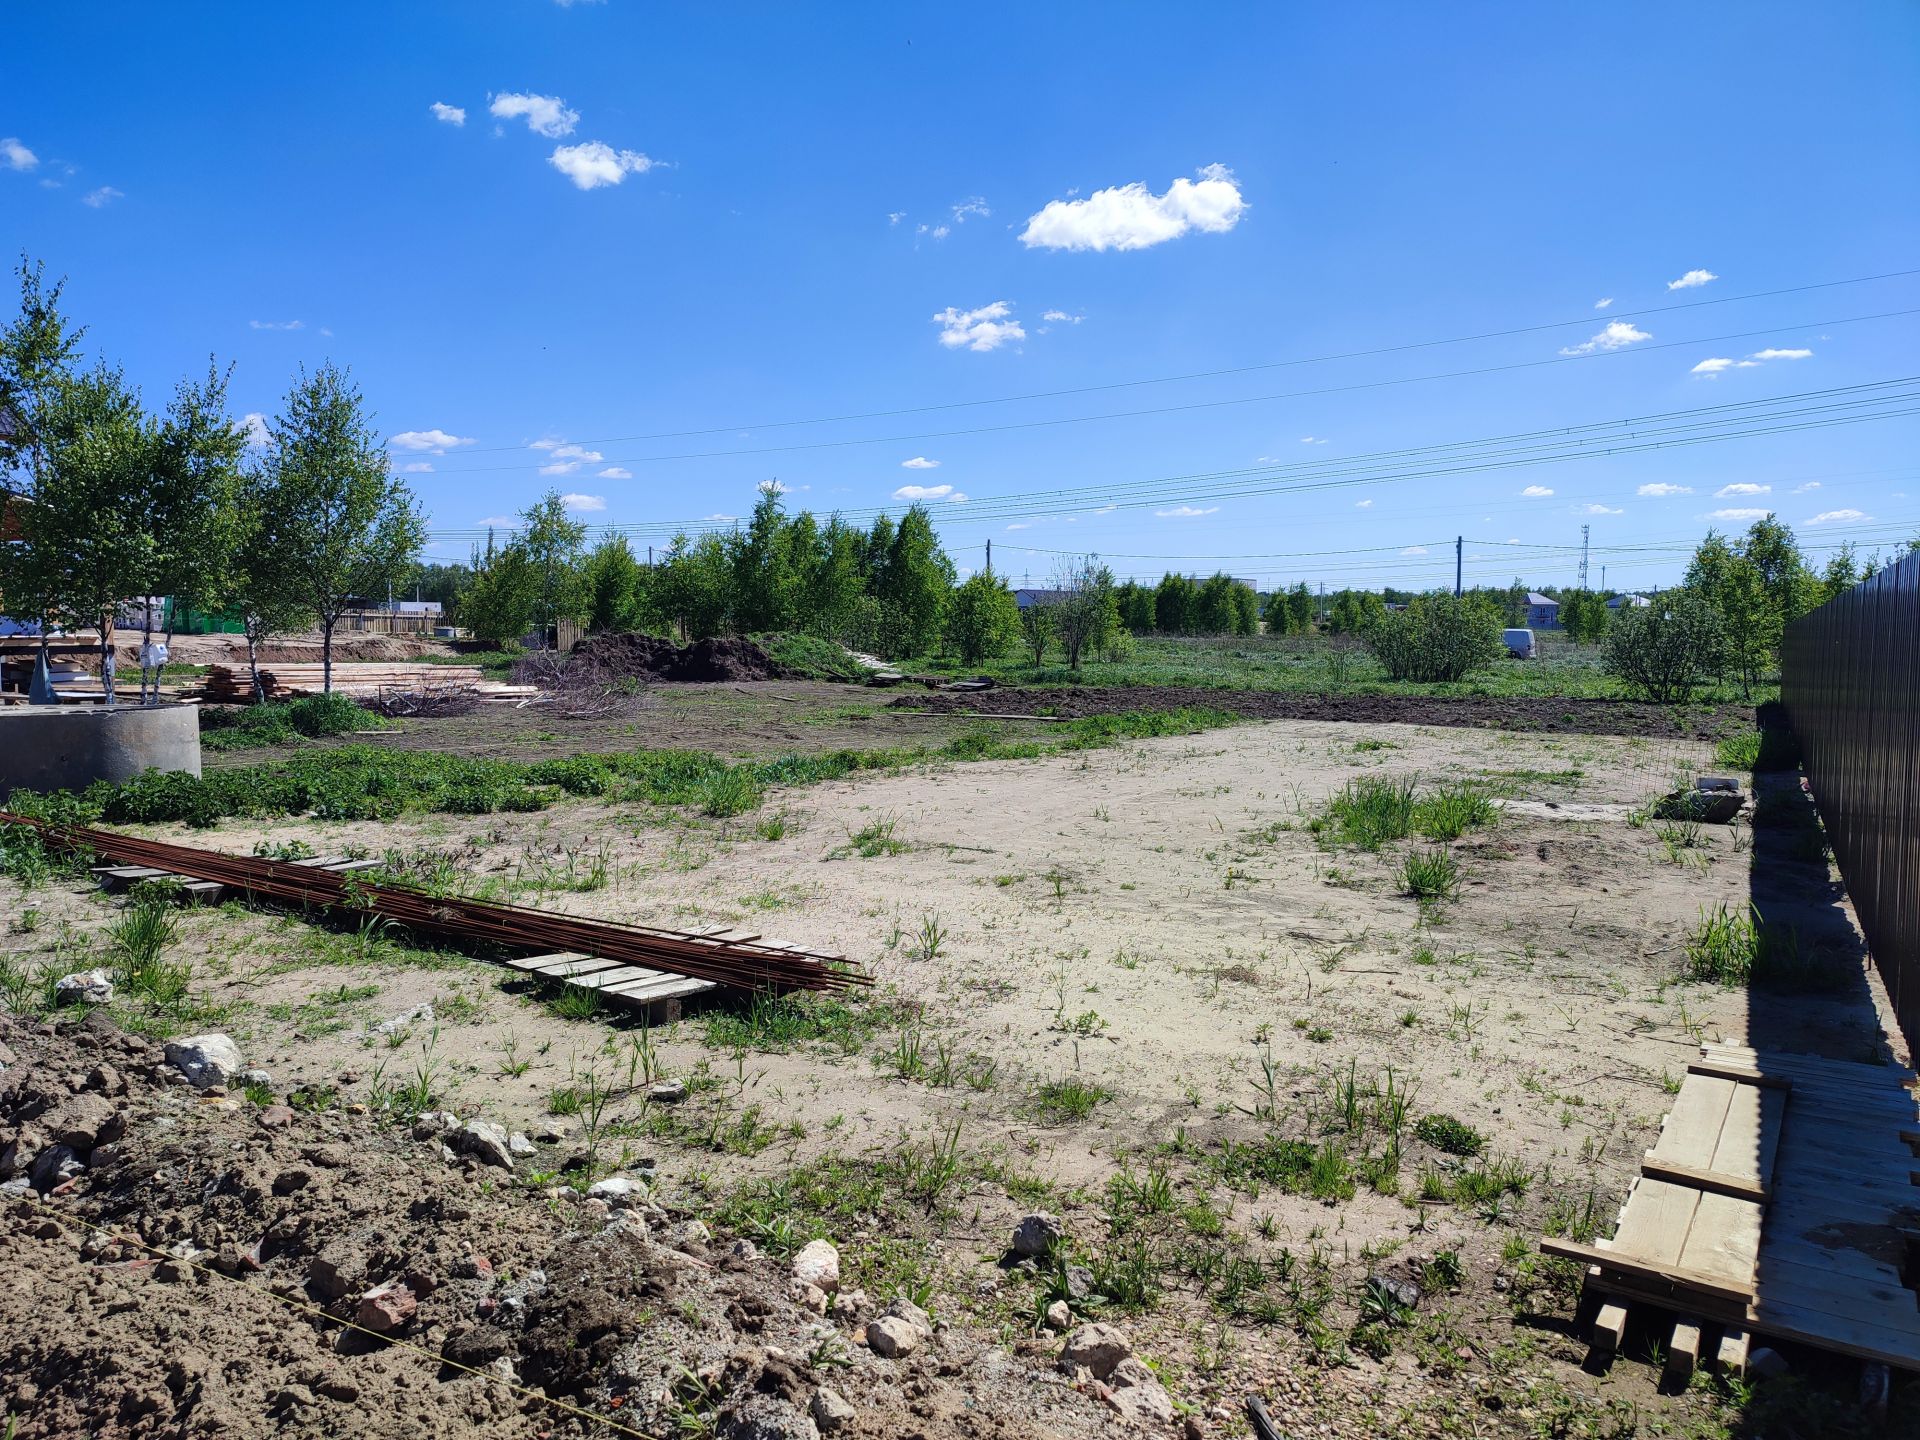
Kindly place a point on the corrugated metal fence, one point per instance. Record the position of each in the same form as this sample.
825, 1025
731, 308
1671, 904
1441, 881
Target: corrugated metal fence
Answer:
1850, 684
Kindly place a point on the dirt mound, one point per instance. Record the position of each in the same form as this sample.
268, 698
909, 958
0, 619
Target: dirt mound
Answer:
1550, 714
181, 1264
651, 657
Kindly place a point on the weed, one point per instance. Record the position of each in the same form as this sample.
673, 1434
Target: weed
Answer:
930, 939
1060, 1102
1732, 948
1369, 811
575, 1002
1430, 875
139, 939
1454, 1137
1452, 810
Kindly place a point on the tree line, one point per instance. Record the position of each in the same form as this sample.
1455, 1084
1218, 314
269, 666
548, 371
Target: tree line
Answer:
109, 501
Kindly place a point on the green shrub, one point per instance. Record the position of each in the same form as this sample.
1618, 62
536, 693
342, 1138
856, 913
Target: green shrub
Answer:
1430, 874
282, 722
1436, 638
1445, 1133
1370, 811
1666, 651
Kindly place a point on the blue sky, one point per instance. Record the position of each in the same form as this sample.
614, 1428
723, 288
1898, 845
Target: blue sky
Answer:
541, 234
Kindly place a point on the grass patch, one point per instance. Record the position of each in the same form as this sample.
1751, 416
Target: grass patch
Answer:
1430, 874
284, 722
1453, 1137
1369, 812
1065, 1101
774, 1023
1452, 810
1740, 947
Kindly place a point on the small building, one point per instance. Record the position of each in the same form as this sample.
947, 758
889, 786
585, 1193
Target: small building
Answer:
1543, 611
1027, 599
1628, 602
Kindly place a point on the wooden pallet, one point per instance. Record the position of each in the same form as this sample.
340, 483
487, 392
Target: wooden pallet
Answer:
661, 994
1781, 1201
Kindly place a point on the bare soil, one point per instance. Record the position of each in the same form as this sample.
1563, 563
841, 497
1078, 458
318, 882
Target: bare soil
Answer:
1556, 716
1156, 926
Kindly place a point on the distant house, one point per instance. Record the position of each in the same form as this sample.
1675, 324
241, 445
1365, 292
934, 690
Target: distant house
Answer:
1543, 611
1632, 602
1027, 599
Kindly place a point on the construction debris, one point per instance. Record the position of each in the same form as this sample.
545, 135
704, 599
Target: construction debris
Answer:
649, 657
284, 680
746, 963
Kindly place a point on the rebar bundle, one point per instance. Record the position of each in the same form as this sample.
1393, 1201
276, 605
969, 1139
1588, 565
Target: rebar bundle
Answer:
746, 964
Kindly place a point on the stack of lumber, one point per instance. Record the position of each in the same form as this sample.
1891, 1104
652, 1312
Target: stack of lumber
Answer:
1779, 1201
72, 681
285, 679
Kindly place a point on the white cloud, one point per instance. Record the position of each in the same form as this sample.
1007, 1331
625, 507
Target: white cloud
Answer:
546, 115
717, 519
560, 467
1712, 365
436, 442
894, 217
1739, 514
1414, 550
1603, 302
567, 450
984, 329
933, 232
1780, 355
448, 114
1617, 335
1313, 440
1363, 504
1021, 525
919, 462
1514, 541
595, 163
1741, 487
1597, 509
1130, 217
615, 472
583, 502
417, 467
1663, 487
499, 522
928, 492
255, 424
1183, 511
15, 156
973, 205
274, 324
1536, 492
1061, 317
1838, 517
1802, 489
1693, 279
105, 195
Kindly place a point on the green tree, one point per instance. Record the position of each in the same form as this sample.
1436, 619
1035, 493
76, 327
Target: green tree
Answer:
1300, 608
1667, 650
346, 528
1136, 604
39, 350
982, 619
195, 500
1081, 603
1353, 611
1036, 630
914, 580
1584, 616
1438, 637
260, 584
694, 586
555, 543
1175, 601
615, 586
500, 603
85, 540
1842, 573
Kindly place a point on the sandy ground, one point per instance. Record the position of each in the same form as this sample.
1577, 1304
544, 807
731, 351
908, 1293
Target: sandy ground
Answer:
1152, 920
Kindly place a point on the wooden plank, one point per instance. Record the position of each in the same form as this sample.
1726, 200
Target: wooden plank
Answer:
1690, 1133
1746, 1074
1647, 1270
1609, 1327
1730, 1357
1671, 1171
1896, 1345
660, 984
1773, 1120
1738, 1149
568, 969
1724, 1240
1683, 1352
1655, 1221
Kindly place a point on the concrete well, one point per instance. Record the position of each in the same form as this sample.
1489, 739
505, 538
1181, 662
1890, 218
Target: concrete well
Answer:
68, 747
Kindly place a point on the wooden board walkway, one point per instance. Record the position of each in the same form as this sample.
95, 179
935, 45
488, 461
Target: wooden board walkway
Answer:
1780, 1200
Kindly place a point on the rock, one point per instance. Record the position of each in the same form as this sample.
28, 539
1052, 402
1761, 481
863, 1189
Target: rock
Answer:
1059, 1316
432, 1124
208, 1061
486, 1140
617, 1190
107, 1080
287, 1182
847, 1306
1766, 1363
901, 1308
1138, 1395
53, 1167
812, 1297
756, 1416
667, 1092
830, 1410
742, 1252
1404, 1292
386, 1309
818, 1263
419, 1014
17, 1154
336, 1271
1099, 1347
1037, 1235
255, 1077
1079, 1284
277, 1117
693, 1236
91, 987
83, 1120
518, 1144
892, 1337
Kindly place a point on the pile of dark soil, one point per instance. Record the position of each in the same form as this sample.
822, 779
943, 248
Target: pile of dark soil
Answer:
1536, 713
651, 657
179, 1264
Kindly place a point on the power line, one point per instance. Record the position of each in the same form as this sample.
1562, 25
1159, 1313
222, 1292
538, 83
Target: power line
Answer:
1709, 424
1397, 349
1197, 405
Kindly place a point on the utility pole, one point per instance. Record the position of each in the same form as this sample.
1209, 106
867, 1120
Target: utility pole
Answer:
649, 557
1603, 577
1584, 532
1323, 601
989, 557
1459, 543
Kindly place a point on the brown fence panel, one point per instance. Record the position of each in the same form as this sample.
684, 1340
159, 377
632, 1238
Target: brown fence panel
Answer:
1850, 684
